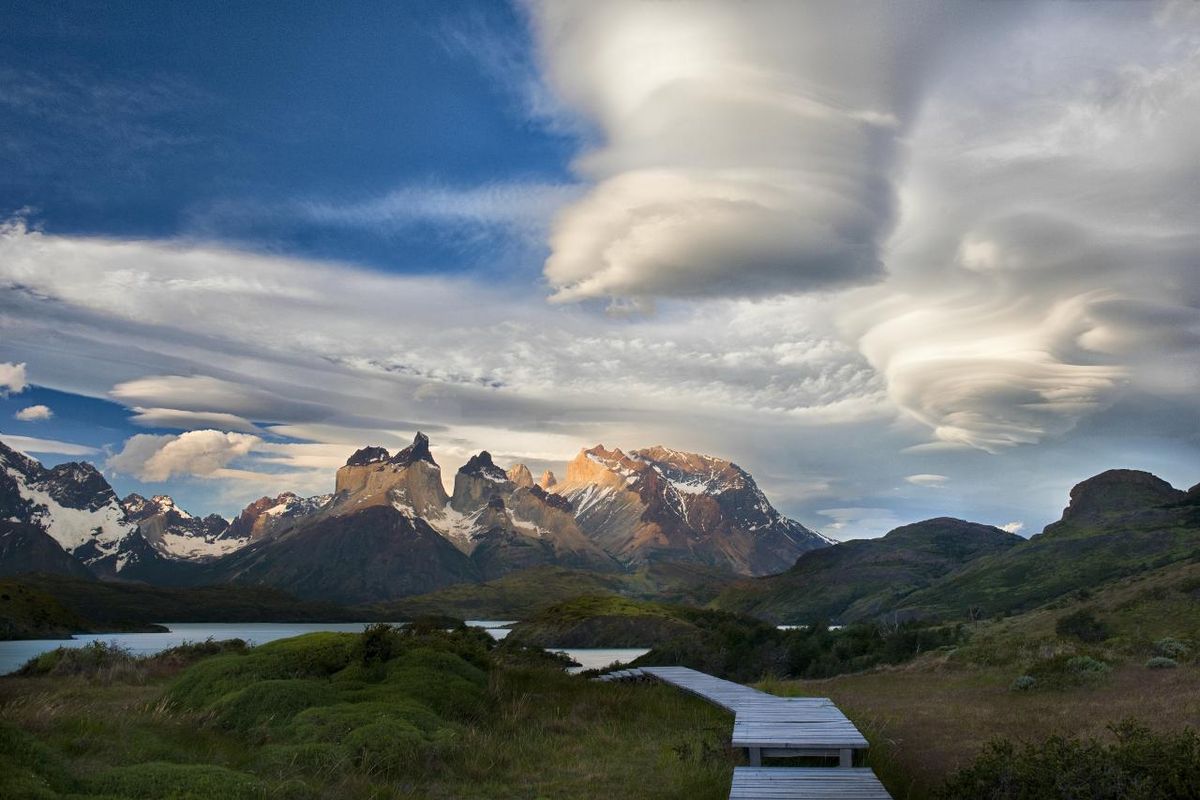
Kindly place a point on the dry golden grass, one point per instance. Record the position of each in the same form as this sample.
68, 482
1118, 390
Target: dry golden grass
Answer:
929, 718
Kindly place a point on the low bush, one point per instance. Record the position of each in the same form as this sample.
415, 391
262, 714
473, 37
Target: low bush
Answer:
1170, 648
101, 660
1064, 671
1024, 683
387, 747
1139, 765
1162, 662
314, 655
273, 702
325, 758
1083, 625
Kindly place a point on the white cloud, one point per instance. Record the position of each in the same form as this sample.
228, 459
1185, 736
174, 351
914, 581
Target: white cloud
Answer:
189, 420
928, 480
201, 453
30, 444
36, 413
1044, 265
12, 378
1013, 527
525, 208
747, 148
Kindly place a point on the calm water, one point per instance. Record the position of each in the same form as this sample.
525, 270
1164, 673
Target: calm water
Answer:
14, 654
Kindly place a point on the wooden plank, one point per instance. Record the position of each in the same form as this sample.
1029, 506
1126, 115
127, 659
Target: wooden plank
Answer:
806, 783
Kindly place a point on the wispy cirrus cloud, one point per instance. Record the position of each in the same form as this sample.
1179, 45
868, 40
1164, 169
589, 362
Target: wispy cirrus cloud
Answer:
521, 208
32, 444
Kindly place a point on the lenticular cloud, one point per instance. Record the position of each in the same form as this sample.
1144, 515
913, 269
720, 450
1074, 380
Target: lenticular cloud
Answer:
741, 155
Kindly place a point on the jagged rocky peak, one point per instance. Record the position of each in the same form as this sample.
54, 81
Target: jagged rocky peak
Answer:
139, 508
547, 480
552, 500
477, 481
77, 484
1118, 491
520, 476
695, 473
368, 455
417, 451
266, 515
410, 481
602, 467
72, 503
482, 466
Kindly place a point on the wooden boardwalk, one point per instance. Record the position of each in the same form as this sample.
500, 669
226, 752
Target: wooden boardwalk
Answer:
766, 725
805, 783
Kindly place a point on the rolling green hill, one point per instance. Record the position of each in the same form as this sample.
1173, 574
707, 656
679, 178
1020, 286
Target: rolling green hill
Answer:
521, 594
1119, 523
863, 578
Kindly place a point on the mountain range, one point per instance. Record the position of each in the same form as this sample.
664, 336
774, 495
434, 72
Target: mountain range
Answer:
390, 529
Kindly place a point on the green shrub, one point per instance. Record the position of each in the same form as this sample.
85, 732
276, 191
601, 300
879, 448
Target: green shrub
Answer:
325, 758
270, 702
1170, 648
1084, 626
1063, 671
1139, 765
1162, 662
378, 644
333, 723
387, 747
96, 659
158, 780
314, 655
1024, 683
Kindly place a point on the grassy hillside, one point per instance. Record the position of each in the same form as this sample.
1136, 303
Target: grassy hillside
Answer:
1081, 552
861, 579
610, 621
522, 594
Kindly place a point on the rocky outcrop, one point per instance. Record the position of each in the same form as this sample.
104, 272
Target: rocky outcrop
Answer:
547, 480
1115, 492
269, 515
478, 481
175, 533
520, 476
409, 480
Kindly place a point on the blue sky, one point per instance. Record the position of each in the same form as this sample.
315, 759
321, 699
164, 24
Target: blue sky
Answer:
896, 260
203, 119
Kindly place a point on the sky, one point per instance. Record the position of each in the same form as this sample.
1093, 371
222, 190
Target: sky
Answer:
896, 259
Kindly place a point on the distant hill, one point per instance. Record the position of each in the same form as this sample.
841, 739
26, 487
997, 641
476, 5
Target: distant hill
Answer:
863, 578
519, 595
1119, 523
104, 605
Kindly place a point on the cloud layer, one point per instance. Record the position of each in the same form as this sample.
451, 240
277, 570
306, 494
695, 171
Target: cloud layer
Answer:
741, 152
